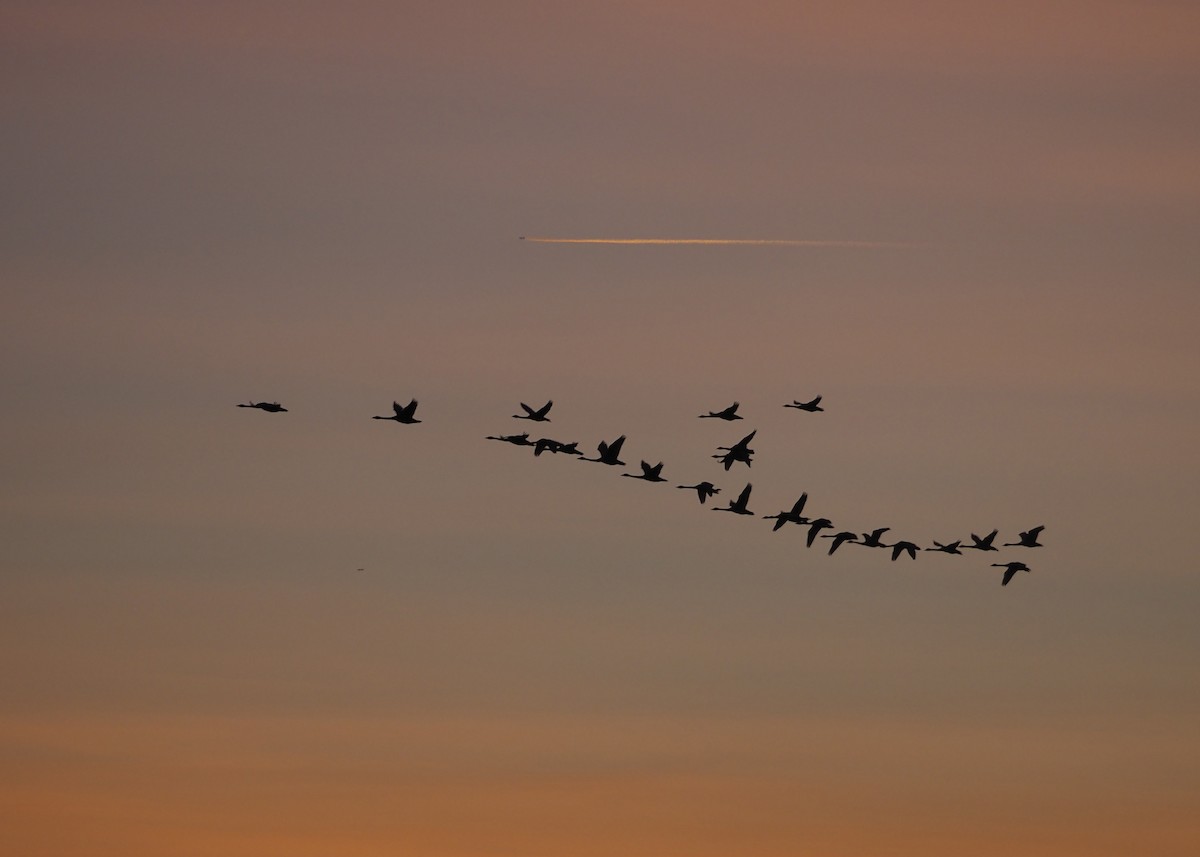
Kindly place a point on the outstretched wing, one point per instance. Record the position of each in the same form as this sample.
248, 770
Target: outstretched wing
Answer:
799, 506
543, 410
744, 497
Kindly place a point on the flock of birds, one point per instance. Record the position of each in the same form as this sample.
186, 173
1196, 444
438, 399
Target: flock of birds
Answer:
609, 453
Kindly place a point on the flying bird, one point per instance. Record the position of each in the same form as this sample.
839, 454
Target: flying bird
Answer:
1010, 569
949, 548
608, 452
728, 414
521, 439
813, 405
404, 413
839, 539
814, 529
650, 474
703, 489
738, 506
985, 543
872, 539
902, 547
546, 444
538, 416
794, 516
269, 407
1029, 539
740, 451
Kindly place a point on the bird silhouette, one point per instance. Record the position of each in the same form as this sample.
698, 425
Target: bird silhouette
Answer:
738, 506
538, 416
269, 407
952, 547
521, 439
703, 489
840, 539
609, 452
404, 413
814, 529
1010, 569
902, 547
872, 539
546, 444
983, 544
650, 474
729, 413
740, 451
1028, 539
794, 516
812, 405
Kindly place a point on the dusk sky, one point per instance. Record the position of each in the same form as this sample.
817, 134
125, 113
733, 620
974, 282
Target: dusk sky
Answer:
237, 633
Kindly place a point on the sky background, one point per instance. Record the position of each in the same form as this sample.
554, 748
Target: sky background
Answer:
318, 203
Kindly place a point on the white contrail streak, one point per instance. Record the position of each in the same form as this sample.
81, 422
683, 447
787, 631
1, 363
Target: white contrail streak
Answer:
711, 242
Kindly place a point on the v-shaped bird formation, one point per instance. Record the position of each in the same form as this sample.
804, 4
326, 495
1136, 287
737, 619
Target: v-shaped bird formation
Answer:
608, 452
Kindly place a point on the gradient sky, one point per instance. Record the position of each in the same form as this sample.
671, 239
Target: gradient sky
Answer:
319, 203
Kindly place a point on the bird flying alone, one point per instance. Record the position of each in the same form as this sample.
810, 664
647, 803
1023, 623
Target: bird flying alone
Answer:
269, 407
404, 413
538, 416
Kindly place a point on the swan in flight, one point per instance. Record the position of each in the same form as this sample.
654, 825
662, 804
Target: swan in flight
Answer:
404, 413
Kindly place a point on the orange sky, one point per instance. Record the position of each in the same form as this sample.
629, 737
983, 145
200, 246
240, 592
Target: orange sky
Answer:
320, 204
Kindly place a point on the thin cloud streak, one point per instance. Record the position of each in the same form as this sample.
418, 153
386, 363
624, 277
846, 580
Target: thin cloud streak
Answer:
752, 242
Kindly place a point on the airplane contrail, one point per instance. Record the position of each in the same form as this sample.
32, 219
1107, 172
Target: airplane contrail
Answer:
754, 242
